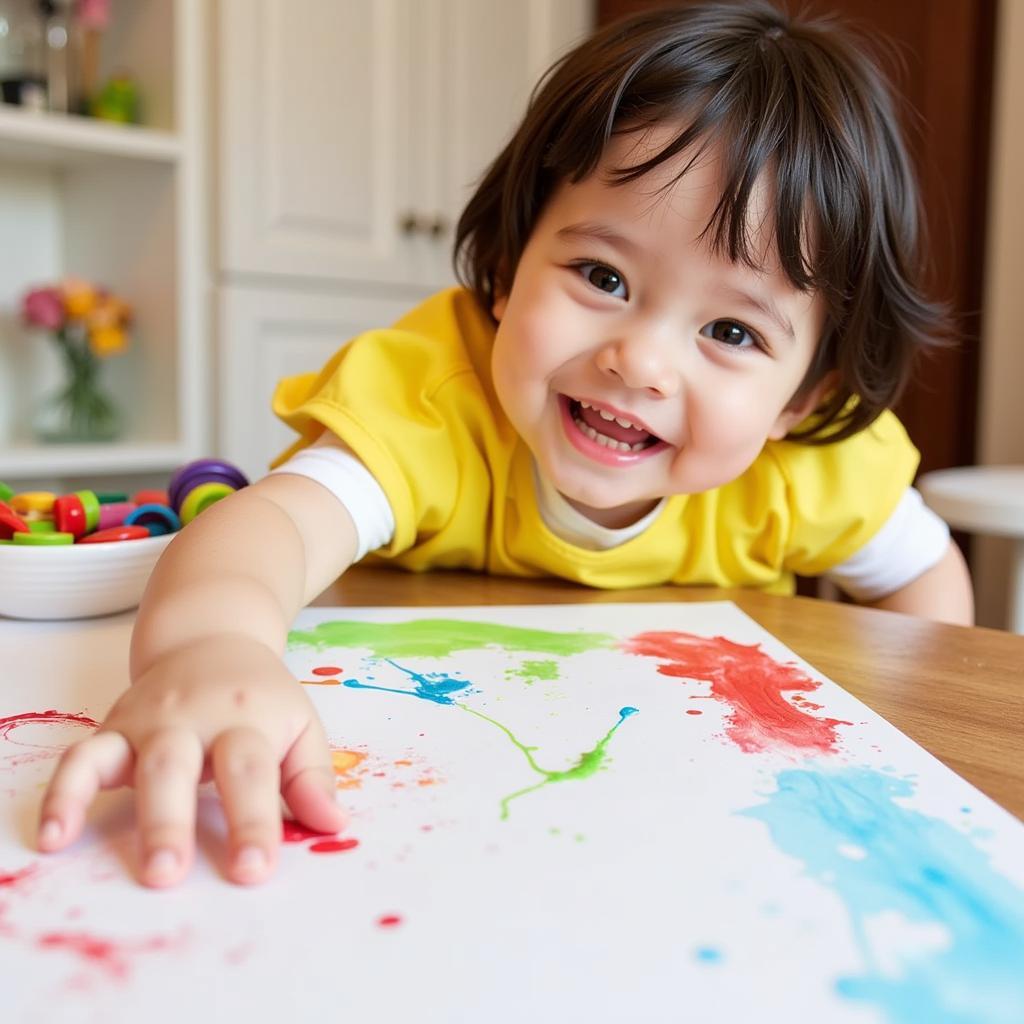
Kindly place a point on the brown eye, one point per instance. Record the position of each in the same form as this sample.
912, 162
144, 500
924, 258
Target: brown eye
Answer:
603, 278
730, 333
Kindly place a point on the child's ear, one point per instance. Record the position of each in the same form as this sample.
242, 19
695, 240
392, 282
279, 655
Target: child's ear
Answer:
802, 406
498, 307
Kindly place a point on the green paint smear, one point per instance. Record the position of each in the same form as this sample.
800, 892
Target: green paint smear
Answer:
438, 638
587, 765
534, 670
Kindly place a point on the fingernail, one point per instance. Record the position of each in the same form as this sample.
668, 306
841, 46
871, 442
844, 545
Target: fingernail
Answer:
250, 860
161, 863
49, 833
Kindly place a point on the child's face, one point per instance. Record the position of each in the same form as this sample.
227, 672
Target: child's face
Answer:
618, 310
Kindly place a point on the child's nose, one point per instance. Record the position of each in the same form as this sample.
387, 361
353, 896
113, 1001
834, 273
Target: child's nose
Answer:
640, 363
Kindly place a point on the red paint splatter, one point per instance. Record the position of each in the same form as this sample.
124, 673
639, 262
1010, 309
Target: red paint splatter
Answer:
37, 751
108, 954
328, 670
694, 711
389, 920
26, 717
334, 845
750, 683
13, 879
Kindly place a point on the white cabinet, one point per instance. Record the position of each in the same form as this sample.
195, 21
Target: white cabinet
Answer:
352, 131
123, 206
314, 123
350, 135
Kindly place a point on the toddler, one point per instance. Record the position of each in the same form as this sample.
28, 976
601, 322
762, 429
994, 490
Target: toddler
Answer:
691, 297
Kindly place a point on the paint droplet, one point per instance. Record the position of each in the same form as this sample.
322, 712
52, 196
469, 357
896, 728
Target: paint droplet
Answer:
708, 955
334, 845
293, 832
694, 711
389, 920
328, 670
345, 760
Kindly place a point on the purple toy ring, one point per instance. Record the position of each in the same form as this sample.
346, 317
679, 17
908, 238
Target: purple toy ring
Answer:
203, 471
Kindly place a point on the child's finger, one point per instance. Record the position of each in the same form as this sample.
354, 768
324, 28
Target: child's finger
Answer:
167, 770
247, 775
102, 761
307, 781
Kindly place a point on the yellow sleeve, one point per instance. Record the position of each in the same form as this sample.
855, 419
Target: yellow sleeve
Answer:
839, 495
378, 395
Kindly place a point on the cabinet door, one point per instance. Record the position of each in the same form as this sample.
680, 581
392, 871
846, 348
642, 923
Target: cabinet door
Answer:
314, 138
478, 61
266, 334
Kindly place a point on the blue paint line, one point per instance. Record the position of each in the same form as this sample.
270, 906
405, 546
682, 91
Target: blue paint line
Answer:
432, 686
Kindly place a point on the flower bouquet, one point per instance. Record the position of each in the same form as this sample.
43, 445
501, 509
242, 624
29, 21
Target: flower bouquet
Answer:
88, 324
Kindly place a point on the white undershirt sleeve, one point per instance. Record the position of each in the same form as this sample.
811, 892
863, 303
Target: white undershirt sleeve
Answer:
331, 463
910, 542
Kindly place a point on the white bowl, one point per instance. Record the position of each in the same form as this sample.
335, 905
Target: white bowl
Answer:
76, 581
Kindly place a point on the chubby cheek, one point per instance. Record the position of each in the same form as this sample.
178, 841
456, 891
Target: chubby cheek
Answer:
725, 439
513, 376
524, 358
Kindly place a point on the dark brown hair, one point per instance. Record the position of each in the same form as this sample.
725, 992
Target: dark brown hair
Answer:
798, 100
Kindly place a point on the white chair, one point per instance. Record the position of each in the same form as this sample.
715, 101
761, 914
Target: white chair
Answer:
988, 500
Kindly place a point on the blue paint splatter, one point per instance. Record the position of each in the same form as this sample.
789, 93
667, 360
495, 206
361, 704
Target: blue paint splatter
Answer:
624, 713
708, 955
432, 686
923, 869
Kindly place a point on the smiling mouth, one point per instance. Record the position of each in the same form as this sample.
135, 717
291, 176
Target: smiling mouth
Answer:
615, 433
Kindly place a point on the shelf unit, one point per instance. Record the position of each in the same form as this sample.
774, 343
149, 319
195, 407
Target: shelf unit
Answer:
125, 206
64, 139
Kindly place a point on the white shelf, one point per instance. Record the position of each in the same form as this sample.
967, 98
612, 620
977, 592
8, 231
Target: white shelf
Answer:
124, 206
30, 461
41, 137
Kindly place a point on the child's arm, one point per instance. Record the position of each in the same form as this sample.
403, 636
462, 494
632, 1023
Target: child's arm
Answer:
210, 696
943, 592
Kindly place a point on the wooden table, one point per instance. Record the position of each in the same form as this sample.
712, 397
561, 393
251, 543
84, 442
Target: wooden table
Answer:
958, 692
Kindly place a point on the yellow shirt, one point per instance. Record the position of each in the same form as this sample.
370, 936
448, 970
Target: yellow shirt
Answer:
416, 404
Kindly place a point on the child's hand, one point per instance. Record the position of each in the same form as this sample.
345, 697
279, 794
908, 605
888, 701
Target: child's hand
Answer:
225, 708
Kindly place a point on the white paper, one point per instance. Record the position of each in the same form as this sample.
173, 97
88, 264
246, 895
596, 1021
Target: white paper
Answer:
758, 860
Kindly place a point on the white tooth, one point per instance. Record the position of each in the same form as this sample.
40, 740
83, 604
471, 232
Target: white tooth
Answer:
605, 415
622, 422
585, 405
604, 440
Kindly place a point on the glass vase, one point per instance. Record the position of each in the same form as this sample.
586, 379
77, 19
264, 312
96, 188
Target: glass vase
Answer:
80, 411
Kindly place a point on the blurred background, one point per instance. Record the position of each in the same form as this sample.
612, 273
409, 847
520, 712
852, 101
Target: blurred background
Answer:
198, 197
